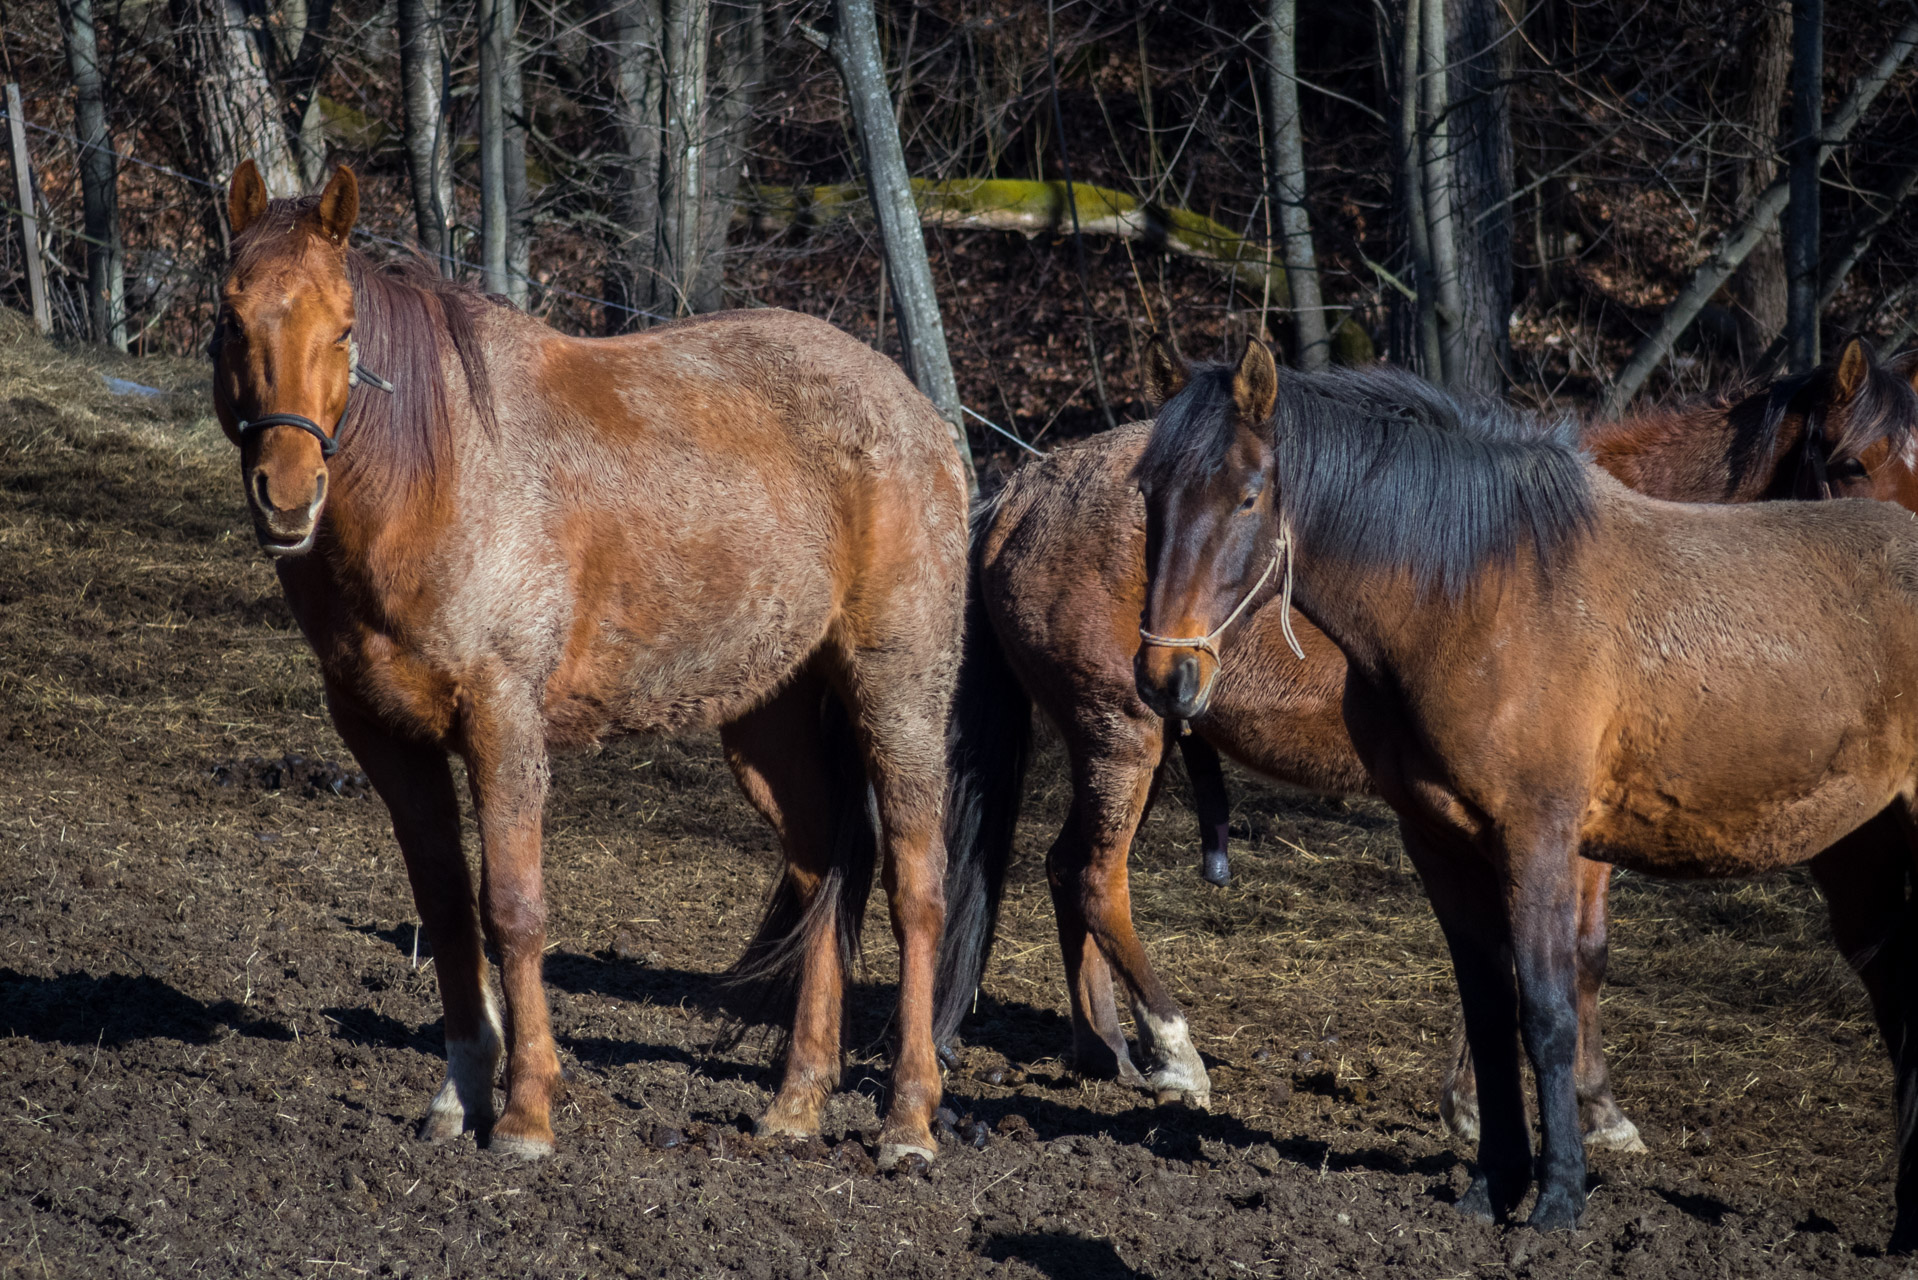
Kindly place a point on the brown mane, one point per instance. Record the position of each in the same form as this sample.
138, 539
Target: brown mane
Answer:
391, 443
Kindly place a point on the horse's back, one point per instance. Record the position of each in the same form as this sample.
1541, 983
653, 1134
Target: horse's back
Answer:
1764, 675
688, 514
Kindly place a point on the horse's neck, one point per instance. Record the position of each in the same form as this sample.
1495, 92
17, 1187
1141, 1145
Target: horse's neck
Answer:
1686, 455
1365, 611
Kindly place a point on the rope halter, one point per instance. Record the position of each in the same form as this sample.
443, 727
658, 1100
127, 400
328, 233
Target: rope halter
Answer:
1209, 643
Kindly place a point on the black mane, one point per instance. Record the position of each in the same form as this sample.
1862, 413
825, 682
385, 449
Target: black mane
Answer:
1381, 468
1884, 408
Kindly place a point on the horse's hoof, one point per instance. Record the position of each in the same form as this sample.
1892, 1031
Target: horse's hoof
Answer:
771, 1126
1620, 1135
1461, 1121
1476, 1203
1556, 1210
893, 1155
520, 1148
441, 1126
1197, 1099
1904, 1238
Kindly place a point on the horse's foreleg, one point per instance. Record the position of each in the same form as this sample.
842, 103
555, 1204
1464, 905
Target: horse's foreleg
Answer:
1868, 882
417, 785
1098, 1042
1603, 1123
504, 747
1543, 877
778, 755
1174, 1069
1466, 897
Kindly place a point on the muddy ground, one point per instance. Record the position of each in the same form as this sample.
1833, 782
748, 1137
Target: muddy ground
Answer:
216, 1030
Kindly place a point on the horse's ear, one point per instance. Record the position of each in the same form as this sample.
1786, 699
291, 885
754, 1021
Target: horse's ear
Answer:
340, 205
1905, 365
1255, 383
1854, 366
245, 197
1165, 373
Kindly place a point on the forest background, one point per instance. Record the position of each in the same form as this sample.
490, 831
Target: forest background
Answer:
1579, 202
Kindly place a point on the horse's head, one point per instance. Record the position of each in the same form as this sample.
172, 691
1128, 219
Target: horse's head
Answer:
1212, 522
282, 349
1860, 437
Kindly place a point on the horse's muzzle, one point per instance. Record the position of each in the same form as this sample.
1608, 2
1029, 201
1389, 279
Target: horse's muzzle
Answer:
1183, 692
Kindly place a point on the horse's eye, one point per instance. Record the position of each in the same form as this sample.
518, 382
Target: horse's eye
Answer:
1849, 469
346, 336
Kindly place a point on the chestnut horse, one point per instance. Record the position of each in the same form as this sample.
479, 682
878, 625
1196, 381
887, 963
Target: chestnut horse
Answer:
502, 541
1542, 663
1058, 584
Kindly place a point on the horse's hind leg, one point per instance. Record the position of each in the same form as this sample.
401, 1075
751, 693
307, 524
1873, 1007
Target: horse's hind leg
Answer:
899, 697
416, 783
1868, 882
779, 757
1604, 1125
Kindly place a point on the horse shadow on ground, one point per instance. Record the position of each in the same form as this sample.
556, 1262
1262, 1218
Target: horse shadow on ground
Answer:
1062, 1257
1022, 1032
115, 1009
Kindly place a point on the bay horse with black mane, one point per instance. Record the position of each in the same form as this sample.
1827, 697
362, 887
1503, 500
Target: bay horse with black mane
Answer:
1058, 587
501, 542
1542, 663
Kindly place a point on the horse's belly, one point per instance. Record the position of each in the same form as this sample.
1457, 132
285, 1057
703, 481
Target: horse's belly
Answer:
1668, 828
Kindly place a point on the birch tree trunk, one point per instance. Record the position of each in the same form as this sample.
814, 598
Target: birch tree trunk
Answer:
634, 36
688, 31
1439, 176
1415, 327
1314, 349
99, 194
239, 112
519, 205
855, 51
1757, 289
1801, 215
739, 69
429, 151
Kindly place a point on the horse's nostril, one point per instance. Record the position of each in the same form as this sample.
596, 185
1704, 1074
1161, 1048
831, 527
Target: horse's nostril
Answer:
1188, 679
260, 494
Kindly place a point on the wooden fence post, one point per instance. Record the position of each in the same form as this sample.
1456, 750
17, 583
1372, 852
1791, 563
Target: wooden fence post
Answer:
29, 222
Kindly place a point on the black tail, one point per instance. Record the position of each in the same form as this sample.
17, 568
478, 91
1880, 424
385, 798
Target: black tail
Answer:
986, 748
765, 978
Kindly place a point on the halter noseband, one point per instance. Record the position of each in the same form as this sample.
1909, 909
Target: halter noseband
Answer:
329, 444
1209, 643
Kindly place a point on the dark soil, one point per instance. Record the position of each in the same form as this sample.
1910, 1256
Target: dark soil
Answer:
218, 1024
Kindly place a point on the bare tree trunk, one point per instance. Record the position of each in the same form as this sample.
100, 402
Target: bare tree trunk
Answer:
855, 51
1480, 48
1439, 175
299, 46
99, 193
688, 30
429, 151
1801, 215
519, 205
738, 69
1415, 327
239, 113
494, 213
635, 31
1739, 242
1757, 289
1288, 188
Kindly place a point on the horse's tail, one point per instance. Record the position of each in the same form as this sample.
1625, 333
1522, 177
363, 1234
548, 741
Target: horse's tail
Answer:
986, 748
765, 978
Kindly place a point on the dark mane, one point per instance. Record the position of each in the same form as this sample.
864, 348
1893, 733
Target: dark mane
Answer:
1884, 409
398, 439
1382, 468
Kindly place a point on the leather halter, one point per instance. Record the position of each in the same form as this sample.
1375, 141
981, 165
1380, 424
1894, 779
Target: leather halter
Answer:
1209, 643
329, 444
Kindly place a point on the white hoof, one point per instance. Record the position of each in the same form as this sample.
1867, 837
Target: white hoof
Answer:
520, 1148
892, 1154
1621, 1135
